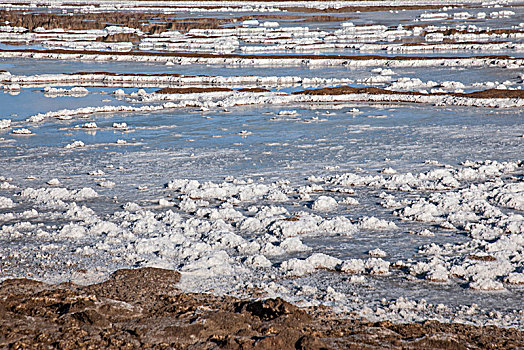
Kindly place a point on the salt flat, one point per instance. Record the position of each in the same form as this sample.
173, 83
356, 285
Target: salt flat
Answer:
369, 160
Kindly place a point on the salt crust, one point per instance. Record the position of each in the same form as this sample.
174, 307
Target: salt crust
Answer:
270, 37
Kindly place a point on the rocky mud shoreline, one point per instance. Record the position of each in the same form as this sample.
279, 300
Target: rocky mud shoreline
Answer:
142, 308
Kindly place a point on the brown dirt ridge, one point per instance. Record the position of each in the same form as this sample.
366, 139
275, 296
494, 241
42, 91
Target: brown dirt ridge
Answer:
343, 90
141, 308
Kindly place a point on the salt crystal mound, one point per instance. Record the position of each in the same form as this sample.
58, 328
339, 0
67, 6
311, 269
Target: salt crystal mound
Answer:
271, 219
57, 195
324, 203
6, 203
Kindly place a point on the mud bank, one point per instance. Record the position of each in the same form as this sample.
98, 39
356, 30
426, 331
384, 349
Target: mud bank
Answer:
142, 308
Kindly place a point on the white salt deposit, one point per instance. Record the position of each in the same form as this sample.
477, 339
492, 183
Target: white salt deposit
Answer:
324, 203
119, 125
53, 182
90, 125
5, 123
22, 131
75, 144
6, 203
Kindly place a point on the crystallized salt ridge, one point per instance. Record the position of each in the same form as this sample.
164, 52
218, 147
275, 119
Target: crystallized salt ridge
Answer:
56, 92
162, 80
230, 99
429, 62
69, 113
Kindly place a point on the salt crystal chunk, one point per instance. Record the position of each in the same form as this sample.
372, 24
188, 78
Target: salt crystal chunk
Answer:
377, 253
296, 267
349, 201
324, 203
75, 144
323, 261
107, 184
486, 285
6, 203
352, 266
90, 125
22, 131
53, 182
165, 203
257, 261
5, 123
119, 125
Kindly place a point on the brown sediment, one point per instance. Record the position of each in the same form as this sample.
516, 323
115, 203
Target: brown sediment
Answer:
120, 37
493, 93
142, 308
253, 90
348, 9
450, 41
453, 31
191, 90
482, 257
343, 90
298, 57
152, 23
304, 19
